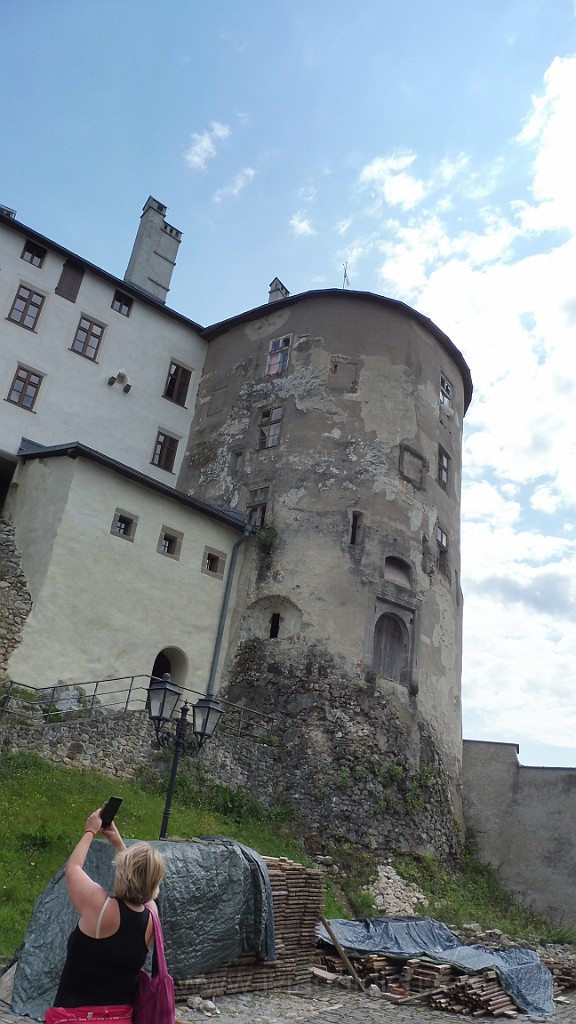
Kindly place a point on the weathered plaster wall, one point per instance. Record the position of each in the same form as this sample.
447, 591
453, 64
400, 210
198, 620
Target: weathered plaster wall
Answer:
524, 822
360, 432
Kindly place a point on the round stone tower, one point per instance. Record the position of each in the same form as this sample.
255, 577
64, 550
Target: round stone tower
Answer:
334, 418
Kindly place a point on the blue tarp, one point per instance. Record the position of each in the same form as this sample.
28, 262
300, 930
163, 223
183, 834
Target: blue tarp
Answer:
522, 974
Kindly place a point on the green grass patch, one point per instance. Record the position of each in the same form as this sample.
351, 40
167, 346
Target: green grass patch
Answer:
43, 810
474, 894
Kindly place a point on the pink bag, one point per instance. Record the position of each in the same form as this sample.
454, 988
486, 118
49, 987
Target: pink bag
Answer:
154, 1001
92, 1014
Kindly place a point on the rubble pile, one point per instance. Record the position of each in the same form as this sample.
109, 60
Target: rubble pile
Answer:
394, 896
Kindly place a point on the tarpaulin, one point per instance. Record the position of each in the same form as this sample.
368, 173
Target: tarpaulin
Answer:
522, 974
213, 904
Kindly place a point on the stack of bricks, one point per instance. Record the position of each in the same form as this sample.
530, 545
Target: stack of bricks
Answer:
297, 899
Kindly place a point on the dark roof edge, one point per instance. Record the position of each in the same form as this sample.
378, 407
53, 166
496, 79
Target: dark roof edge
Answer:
225, 325
118, 282
32, 450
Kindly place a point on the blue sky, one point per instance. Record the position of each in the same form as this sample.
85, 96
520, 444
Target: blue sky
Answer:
431, 148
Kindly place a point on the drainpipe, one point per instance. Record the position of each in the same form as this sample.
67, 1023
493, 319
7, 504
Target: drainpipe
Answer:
248, 531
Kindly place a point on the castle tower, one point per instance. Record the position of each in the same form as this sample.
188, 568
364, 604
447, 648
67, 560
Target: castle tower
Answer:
334, 418
154, 252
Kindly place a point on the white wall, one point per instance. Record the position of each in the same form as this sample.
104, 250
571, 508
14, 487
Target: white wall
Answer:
104, 606
75, 402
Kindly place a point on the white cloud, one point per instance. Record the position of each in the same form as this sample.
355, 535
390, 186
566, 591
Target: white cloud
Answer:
203, 145
235, 187
301, 226
387, 174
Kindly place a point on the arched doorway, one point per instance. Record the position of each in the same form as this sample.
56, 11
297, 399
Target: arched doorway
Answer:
390, 648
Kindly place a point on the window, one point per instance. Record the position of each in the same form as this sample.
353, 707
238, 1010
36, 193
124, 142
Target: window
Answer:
34, 254
442, 545
356, 529
275, 620
122, 303
236, 458
24, 388
445, 391
124, 524
256, 506
443, 468
269, 428
164, 451
26, 308
214, 562
87, 338
170, 542
177, 383
70, 280
278, 353
412, 466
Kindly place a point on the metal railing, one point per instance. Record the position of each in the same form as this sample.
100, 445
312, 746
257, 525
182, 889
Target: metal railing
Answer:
120, 694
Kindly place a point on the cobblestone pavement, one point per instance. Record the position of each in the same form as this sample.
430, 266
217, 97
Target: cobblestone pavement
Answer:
313, 1004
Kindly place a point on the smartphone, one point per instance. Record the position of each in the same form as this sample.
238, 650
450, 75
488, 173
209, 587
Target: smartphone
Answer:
109, 810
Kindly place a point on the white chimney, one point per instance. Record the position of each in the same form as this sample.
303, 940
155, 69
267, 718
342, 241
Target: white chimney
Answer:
277, 291
154, 252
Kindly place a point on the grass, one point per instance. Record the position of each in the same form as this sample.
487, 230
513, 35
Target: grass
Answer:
474, 894
43, 809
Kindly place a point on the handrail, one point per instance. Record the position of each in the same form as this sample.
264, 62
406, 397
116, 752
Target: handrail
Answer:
101, 698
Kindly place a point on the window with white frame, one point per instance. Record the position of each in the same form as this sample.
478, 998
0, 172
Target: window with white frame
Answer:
269, 428
443, 468
256, 506
445, 391
170, 542
278, 353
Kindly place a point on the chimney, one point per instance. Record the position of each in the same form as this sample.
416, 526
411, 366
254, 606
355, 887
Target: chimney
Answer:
154, 252
277, 291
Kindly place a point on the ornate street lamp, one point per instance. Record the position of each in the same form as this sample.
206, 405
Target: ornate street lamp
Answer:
206, 714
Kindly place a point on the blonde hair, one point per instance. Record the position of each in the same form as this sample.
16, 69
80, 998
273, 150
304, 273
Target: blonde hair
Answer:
139, 871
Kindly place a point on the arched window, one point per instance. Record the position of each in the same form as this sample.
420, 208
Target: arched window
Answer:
389, 648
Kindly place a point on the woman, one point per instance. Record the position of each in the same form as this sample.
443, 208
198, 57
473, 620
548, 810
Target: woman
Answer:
108, 947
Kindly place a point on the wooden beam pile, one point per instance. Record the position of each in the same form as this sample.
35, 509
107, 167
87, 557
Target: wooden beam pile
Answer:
563, 972
475, 995
297, 899
423, 975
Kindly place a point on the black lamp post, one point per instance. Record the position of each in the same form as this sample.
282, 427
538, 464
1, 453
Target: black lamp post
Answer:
206, 713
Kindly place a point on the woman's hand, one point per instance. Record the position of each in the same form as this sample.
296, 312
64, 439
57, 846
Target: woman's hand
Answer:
94, 822
113, 836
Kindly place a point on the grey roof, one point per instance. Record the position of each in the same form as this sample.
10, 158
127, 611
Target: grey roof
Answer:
32, 450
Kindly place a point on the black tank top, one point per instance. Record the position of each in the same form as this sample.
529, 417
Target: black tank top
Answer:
104, 972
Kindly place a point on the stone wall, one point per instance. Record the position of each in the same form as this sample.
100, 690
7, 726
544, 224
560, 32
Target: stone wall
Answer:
333, 751
522, 820
15, 599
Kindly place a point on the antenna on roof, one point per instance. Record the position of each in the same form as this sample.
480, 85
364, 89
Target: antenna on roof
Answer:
346, 280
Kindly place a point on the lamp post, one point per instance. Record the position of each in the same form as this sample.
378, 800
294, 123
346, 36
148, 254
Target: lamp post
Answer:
206, 714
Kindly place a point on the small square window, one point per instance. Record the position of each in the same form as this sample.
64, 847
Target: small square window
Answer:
24, 388
170, 542
269, 428
26, 307
87, 338
445, 391
177, 384
443, 468
278, 353
164, 454
256, 506
214, 562
122, 303
124, 524
33, 254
